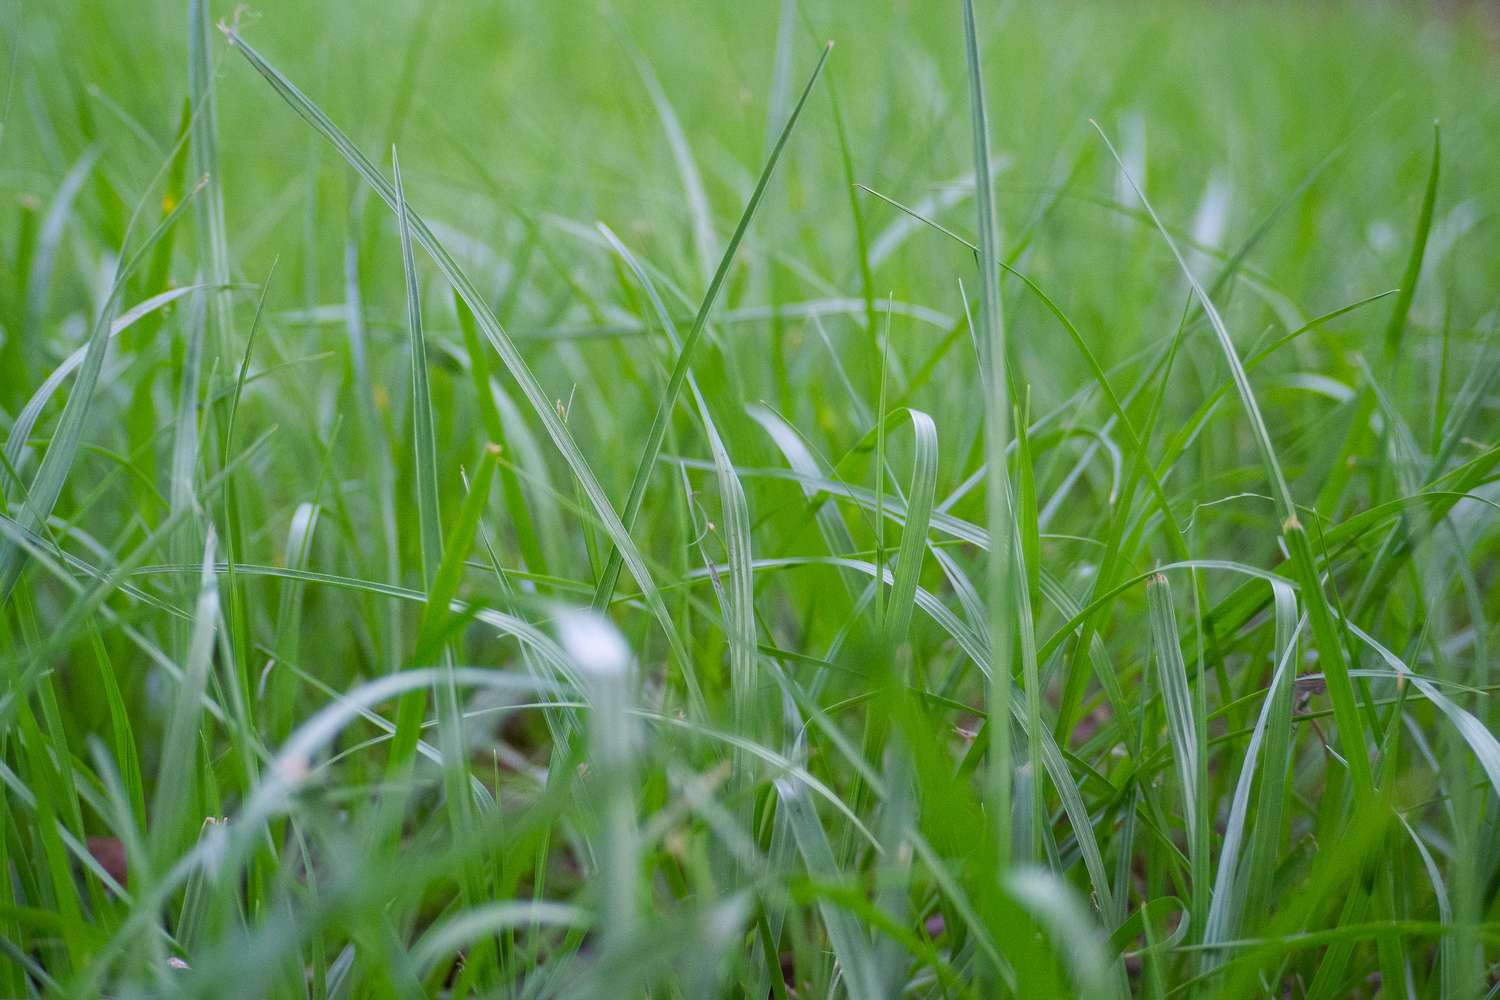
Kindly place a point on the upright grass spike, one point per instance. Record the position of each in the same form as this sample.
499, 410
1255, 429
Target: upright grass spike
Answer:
1275, 783
906, 571
213, 242
1395, 328
430, 530
186, 434
175, 781
739, 603
235, 529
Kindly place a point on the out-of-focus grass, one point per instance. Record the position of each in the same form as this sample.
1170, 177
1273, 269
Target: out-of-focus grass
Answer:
1184, 467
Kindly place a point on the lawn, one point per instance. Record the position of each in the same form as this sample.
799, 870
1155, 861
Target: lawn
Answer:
770, 499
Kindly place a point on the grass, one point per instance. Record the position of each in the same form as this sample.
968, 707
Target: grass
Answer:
676, 534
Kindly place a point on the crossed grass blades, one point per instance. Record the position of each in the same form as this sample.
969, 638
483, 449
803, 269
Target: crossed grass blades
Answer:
892, 535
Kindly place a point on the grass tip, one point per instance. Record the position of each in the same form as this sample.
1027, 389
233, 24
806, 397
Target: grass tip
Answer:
230, 26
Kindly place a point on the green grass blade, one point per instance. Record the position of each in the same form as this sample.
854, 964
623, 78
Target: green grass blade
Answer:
429, 523
46, 485
906, 571
1396, 326
1185, 729
213, 243
543, 407
654, 437
993, 383
1329, 646
851, 945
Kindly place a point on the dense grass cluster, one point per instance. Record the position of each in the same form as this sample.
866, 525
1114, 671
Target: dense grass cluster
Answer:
542, 499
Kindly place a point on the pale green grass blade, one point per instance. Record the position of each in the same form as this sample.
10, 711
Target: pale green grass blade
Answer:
1274, 793
57, 461
1330, 648
1190, 428
213, 242
1078, 935
456, 933
694, 193
739, 597
429, 523
1446, 949
604, 661
851, 945
1396, 326
800, 458
990, 337
1236, 368
25, 421
382, 472
681, 365
44, 257
174, 780
1185, 730
1481, 741
543, 407
20, 537
907, 569
1231, 884
186, 432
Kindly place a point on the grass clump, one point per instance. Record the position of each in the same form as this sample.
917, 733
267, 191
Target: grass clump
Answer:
550, 501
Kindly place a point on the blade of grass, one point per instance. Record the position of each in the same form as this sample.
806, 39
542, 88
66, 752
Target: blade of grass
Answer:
57, 462
1330, 648
668, 402
543, 407
1185, 728
992, 362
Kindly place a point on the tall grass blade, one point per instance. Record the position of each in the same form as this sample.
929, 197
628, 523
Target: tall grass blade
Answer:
652, 449
990, 337
542, 407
